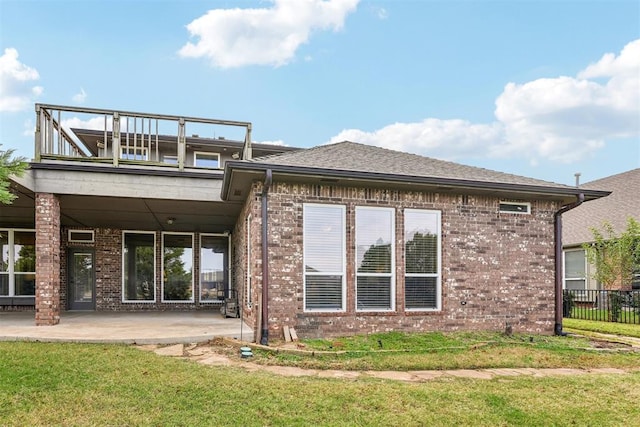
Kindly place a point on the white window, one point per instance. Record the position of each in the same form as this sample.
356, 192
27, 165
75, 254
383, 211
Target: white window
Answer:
248, 266
81, 236
324, 257
422, 259
138, 266
18, 263
170, 160
375, 260
134, 153
515, 207
177, 267
206, 160
214, 267
575, 270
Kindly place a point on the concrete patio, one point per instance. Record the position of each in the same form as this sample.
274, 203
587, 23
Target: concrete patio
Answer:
126, 328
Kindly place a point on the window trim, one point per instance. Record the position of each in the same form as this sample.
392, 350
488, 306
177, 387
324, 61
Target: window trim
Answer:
70, 239
11, 273
391, 274
193, 251
437, 275
228, 266
155, 274
343, 273
144, 152
505, 202
564, 269
169, 157
208, 153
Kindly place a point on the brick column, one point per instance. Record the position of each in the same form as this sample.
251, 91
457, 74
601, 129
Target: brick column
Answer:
47, 259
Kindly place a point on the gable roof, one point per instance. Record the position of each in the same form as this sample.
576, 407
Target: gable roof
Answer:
356, 162
353, 156
623, 202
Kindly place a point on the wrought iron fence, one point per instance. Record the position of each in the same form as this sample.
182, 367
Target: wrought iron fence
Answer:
602, 305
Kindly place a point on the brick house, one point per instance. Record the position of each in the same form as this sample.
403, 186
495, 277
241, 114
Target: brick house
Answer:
621, 204
123, 211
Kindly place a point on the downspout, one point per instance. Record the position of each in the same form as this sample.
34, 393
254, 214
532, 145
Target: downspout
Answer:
264, 340
557, 217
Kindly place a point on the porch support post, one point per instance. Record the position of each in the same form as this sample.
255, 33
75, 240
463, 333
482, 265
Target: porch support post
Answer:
47, 259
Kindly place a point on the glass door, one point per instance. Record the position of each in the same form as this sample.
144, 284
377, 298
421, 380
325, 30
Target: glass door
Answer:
81, 282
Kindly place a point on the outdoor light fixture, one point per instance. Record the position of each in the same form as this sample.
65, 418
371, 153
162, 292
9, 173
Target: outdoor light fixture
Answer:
170, 220
235, 156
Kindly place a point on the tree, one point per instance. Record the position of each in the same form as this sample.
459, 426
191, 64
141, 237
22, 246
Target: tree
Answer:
615, 256
8, 167
377, 259
421, 253
177, 284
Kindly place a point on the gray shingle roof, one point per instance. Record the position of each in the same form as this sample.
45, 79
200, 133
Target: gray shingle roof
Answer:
351, 156
623, 202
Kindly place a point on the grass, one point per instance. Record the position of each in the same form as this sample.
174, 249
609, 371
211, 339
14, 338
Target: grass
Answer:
625, 316
603, 327
82, 384
402, 352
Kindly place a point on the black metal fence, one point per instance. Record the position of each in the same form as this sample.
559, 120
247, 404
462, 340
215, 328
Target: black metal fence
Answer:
602, 305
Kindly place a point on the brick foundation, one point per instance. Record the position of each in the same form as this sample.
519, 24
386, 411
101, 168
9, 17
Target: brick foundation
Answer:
47, 259
497, 268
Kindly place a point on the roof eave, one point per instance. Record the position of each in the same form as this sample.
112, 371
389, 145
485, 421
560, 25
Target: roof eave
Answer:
242, 166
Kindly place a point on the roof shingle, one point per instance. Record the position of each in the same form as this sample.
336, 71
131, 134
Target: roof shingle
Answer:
622, 203
351, 156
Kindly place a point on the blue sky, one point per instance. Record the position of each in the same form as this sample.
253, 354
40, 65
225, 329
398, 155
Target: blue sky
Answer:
540, 88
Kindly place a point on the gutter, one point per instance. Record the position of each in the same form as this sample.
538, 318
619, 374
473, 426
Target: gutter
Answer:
455, 183
264, 339
557, 223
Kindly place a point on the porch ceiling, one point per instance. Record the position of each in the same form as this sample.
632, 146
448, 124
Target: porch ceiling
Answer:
148, 214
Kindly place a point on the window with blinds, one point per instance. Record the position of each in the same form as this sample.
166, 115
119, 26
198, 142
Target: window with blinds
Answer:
575, 270
375, 259
324, 257
422, 259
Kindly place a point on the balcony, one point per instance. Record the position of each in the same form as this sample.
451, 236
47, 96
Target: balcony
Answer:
124, 139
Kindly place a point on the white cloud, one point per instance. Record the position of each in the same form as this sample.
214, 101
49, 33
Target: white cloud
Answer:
95, 123
562, 119
446, 139
567, 118
80, 97
381, 13
265, 36
16, 79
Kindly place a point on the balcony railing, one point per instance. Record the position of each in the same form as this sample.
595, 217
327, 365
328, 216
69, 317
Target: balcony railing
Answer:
117, 137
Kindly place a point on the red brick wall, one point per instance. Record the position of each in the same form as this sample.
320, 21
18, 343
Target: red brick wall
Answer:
239, 260
47, 259
501, 266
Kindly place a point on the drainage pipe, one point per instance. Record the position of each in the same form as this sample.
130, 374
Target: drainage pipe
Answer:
264, 340
557, 217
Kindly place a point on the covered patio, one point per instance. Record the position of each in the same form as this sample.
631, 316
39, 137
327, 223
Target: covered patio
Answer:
125, 328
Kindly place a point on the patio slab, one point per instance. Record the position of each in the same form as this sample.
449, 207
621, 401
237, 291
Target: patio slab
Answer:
126, 328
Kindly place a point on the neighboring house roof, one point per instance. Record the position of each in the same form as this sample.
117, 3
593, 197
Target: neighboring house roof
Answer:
622, 203
360, 162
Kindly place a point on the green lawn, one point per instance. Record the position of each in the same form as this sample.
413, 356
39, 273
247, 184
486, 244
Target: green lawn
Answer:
603, 327
402, 351
82, 384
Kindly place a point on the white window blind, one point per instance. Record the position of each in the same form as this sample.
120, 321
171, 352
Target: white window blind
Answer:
374, 258
422, 259
575, 270
324, 254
